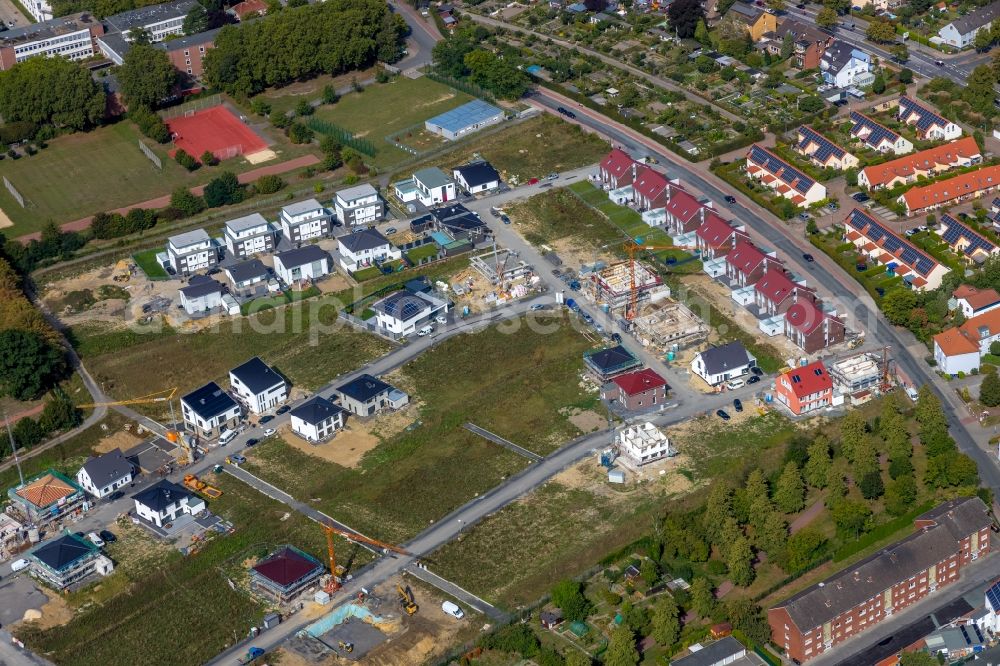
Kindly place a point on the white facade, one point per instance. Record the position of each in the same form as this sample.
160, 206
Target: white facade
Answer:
191, 251
969, 312
209, 425
855, 71
475, 188
353, 260
359, 205
304, 220
715, 377
84, 481
956, 363
644, 444
259, 400
312, 270
186, 505
249, 235
41, 10
428, 186
202, 303
320, 431
403, 313
69, 36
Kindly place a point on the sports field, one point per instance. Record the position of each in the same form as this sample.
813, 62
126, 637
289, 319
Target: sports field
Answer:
217, 130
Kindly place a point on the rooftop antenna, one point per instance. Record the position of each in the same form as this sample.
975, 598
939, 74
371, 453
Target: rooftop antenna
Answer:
13, 447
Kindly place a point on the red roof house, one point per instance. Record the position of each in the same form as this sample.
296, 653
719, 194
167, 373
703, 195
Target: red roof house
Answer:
650, 188
747, 263
617, 169
716, 237
775, 292
810, 328
684, 211
805, 388
637, 390
285, 573
248, 9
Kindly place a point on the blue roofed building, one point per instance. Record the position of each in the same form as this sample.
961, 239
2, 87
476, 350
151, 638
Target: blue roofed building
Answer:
209, 410
468, 118
610, 362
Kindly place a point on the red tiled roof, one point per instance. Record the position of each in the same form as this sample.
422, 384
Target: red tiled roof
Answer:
976, 298
745, 256
250, 8
853, 235
682, 204
286, 567
617, 163
918, 282
640, 381
988, 321
918, 198
809, 379
805, 316
46, 490
904, 167
715, 231
775, 286
953, 342
649, 183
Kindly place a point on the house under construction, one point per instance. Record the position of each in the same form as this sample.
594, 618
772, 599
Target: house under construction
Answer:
613, 285
500, 266
857, 373
669, 326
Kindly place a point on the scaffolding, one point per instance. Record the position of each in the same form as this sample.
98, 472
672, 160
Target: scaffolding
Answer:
612, 285
500, 266
669, 326
857, 373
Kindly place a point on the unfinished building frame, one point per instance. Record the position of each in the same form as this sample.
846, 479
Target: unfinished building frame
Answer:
613, 285
500, 266
669, 326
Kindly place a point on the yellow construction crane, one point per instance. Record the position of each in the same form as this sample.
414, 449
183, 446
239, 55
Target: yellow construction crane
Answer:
632, 248
166, 395
337, 572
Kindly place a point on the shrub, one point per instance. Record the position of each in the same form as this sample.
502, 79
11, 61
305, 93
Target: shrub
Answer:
208, 158
185, 160
304, 108
299, 133
260, 106
513, 638
330, 95
268, 184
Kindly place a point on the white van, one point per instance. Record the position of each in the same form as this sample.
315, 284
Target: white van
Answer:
426, 330
226, 437
452, 609
19, 565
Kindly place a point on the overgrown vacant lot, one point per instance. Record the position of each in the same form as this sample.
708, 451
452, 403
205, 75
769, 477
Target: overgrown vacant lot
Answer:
557, 214
132, 365
168, 609
512, 384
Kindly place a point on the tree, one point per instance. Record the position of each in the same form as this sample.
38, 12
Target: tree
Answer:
749, 618
900, 53
683, 16
878, 85
989, 390
881, 32
789, 491
304, 108
29, 364
906, 76
787, 45
897, 305
186, 202
183, 158
917, 659
740, 562
27, 433
979, 90
871, 484
223, 190
666, 622
776, 5
900, 494
756, 487
717, 508
818, 465
59, 413
51, 91
330, 95
147, 76
801, 548
773, 534
995, 65
702, 597
852, 433
196, 21
983, 40
568, 596
299, 133
501, 77
649, 572
851, 517
701, 33
268, 184
811, 104
827, 17
576, 658
621, 648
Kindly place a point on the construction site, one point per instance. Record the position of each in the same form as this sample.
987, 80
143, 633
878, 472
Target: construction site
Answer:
494, 278
667, 326
627, 284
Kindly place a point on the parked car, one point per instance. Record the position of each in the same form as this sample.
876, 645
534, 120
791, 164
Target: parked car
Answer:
722, 414
252, 442
536, 307
452, 609
265, 419
860, 197
391, 230
730, 199
494, 211
19, 565
753, 379
552, 176
94, 539
283, 409
117, 495
268, 432
235, 459
504, 219
880, 291
833, 205
586, 317
909, 232
533, 181
108, 536
757, 372
860, 267
737, 405
616, 337
566, 112
734, 384
805, 217
808, 257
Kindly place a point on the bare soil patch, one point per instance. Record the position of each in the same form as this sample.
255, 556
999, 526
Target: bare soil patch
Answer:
120, 440
55, 613
587, 420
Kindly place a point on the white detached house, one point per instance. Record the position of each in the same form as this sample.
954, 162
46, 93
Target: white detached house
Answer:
258, 385
105, 474
317, 419
164, 502
365, 248
305, 263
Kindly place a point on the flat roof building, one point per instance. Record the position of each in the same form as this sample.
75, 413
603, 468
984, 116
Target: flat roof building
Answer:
465, 119
73, 36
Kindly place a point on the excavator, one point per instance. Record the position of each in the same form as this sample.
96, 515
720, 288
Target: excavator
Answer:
406, 599
337, 572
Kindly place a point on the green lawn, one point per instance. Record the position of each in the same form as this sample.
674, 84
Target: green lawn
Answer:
88, 172
416, 476
385, 109
423, 252
146, 260
173, 609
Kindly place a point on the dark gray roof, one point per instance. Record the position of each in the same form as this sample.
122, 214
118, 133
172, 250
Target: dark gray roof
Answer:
837, 55
59, 554
209, 401
137, 18
179, 43
201, 285
246, 270
56, 27
364, 388
257, 375
744, 12
722, 359
402, 305
713, 653
316, 410
612, 358
114, 42
478, 173
160, 495
458, 218
301, 256
108, 468
365, 239
897, 562
977, 19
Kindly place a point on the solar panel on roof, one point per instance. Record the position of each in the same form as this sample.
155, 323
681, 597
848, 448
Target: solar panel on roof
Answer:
955, 232
781, 169
824, 147
993, 594
892, 243
925, 117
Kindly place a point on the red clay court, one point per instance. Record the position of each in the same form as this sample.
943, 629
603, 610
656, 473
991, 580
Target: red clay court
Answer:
215, 129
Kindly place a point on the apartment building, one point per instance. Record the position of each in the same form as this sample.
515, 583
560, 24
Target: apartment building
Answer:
73, 37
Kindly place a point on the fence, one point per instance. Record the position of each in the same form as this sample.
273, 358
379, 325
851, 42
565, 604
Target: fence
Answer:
148, 152
344, 136
462, 86
13, 191
192, 107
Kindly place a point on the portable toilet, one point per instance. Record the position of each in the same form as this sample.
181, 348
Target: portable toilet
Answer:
671, 355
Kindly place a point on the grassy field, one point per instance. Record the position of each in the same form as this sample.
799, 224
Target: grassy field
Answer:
180, 610
558, 214
130, 364
530, 149
89, 172
146, 260
418, 475
386, 109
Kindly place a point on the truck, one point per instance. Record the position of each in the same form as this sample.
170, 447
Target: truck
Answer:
252, 654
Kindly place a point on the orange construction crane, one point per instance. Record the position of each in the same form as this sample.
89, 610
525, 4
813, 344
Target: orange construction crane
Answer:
335, 576
632, 248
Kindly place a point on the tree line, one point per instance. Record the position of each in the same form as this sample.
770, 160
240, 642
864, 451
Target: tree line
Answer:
461, 56
327, 38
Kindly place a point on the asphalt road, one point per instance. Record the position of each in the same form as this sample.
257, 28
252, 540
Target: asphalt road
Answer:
842, 291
